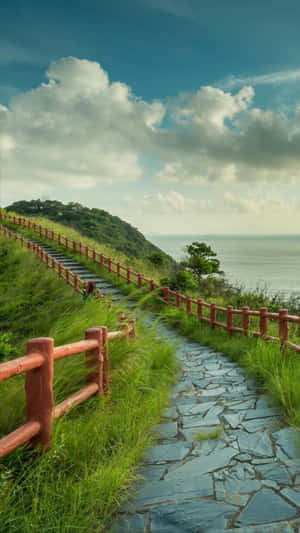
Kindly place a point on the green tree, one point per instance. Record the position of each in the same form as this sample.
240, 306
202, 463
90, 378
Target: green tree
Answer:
157, 258
183, 280
202, 260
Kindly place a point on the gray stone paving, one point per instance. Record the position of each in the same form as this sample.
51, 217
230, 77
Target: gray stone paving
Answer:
248, 479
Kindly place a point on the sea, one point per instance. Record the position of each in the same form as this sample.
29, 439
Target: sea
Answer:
271, 262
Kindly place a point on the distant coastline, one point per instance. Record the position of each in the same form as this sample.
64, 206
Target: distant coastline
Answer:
248, 259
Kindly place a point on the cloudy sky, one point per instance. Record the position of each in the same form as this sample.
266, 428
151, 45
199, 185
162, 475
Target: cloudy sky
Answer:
180, 116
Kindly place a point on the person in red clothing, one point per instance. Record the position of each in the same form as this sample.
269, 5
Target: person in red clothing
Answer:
90, 287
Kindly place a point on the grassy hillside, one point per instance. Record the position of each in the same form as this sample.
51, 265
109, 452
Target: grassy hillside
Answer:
94, 223
137, 264
84, 479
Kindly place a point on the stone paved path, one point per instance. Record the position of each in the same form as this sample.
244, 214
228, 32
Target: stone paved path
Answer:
248, 478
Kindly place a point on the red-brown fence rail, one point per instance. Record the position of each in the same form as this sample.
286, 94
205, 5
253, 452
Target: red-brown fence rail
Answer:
38, 364
188, 304
56, 266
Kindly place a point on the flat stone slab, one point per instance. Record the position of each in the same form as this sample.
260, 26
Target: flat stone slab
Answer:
199, 516
175, 489
276, 472
130, 523
233, 420
167, 452
196, 408
259, 444
292, 495
219, 459
166, 431
266, 506
195, 421
261, 413
260, 423
274, 527
286, 438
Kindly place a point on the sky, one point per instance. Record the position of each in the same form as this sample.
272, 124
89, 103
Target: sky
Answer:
179, 116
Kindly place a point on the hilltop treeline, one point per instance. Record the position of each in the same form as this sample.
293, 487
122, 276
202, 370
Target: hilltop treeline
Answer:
95, 223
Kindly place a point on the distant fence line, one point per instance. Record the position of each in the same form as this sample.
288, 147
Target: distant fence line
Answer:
191, 306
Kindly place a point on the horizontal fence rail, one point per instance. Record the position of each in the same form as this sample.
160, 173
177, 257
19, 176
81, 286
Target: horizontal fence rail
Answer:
74, 280
38, 365
191, 306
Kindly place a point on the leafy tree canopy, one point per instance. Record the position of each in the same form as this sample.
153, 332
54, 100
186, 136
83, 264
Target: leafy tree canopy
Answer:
201, 260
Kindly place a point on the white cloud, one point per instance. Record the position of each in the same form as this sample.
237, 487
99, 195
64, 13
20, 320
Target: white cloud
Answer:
284, 76
172, 202
77, 129
252, 203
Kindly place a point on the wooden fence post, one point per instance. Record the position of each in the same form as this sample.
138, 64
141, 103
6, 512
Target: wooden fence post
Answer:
109, 265
52, 236
140, 281
245, 319
95, 359
199, 307
102, 260
178, 299
60, 270
40, 230
46, 233
229, 319
87, 252
188, 304
74, 247
76, 281
263, 322
166, 292
80, 248
106, 366
213, 314
133, 332
59, 238
283, 328
128, 275
67, 242
94, 256
47, 260
39, 391
151, 285
68, 275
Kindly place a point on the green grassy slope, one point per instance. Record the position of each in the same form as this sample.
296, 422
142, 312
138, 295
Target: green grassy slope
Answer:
94, 223
83, 480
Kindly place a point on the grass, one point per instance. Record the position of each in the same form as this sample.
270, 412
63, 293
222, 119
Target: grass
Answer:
275, 373
81, 483
138, 265
209, 435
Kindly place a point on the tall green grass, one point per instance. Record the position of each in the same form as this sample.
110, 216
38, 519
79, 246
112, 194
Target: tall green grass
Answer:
83, 480
138, 265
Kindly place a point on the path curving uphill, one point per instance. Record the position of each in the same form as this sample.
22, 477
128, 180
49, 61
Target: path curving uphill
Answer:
247, 479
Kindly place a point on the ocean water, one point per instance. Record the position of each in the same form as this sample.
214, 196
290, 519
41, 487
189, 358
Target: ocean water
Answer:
271, 261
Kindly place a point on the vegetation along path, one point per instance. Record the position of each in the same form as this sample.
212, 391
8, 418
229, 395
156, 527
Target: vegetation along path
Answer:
223, 459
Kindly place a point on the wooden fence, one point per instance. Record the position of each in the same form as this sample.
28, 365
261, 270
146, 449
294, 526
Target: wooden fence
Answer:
38, 364
65, 273
188, 304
